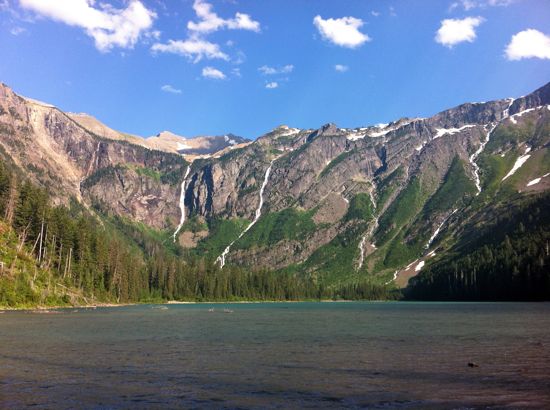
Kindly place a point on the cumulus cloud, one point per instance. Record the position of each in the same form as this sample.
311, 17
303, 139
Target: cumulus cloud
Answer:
210, 22
195, 46
108, 26
528, 43
169, 89
214, 73
272, 84
454, 31
267, 70
341, 68
343, 32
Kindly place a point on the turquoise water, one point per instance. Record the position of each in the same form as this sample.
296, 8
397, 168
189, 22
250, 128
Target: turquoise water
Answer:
280, 355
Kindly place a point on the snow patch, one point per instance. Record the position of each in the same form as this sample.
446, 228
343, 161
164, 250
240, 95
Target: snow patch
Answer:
534, 181
419, 266
289, 131
32, 100
181, 147
519, 114
444, 131
419, 148
518, 164
537, 180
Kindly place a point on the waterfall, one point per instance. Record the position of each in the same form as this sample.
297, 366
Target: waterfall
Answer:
182, 202
258, 214
430, 241
474, 156
369, 233
363, 241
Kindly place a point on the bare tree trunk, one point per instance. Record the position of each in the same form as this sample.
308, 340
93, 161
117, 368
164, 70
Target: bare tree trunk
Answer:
41, 236
12, 200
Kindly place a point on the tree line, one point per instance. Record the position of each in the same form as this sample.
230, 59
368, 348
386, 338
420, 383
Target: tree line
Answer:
108, 258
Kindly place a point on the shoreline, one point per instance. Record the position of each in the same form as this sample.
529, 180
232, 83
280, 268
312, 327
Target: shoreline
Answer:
46, 309
57, 309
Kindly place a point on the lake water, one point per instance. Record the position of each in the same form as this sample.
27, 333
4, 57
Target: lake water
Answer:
279, 355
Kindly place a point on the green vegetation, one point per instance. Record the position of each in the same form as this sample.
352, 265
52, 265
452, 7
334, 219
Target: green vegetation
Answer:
388, 185
64, 256
360, 207
336, 260
148, 172
399, 252
456, 187
222, 233
505, 258
406, 206
289, 224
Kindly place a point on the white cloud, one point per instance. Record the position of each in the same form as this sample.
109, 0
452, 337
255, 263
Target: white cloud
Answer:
266, 70
472, 4
108, 26
454, 31
528, 43
169, 89
272, 84
343, 32
375, 13
210, 22
193, 48
15, 31
196, 47
341, 68
214, 73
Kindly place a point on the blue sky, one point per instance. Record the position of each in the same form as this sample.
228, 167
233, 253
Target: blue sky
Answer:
247, 66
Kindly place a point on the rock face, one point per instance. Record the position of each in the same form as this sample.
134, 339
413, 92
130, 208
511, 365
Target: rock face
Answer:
70, 161
362, 200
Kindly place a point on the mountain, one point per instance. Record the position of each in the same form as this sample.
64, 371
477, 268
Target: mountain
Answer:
164, 141
382, 203
204, 146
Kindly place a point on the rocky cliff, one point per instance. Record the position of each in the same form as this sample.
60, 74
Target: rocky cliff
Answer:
333, 203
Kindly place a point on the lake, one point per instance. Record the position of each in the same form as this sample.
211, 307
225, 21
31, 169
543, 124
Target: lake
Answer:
279, 355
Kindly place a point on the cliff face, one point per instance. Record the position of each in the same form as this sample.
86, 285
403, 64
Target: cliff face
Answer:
70, 161
328, 202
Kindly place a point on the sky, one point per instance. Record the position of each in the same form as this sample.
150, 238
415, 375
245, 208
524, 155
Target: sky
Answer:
210, 67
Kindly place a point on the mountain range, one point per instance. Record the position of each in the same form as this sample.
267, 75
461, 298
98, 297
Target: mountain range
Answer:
439, 206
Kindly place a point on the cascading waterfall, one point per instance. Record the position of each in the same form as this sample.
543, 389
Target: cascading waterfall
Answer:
221, 258
182, 202
430, 241
473, 157
94, 160
369, 233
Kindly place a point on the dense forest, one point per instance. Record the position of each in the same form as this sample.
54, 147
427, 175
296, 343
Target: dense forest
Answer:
59, 255
506, 258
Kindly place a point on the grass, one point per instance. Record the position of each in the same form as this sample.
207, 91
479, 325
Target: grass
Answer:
222, 233
288, 224
335, 261
455, 188
360, 207
388, 186
23, 284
